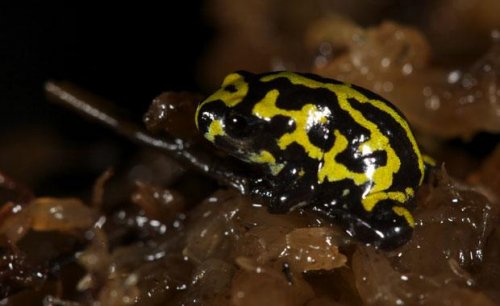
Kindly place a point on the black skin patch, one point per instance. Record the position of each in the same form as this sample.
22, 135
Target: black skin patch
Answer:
296, 153
291, 97
280, 125
357, 163
321, 136
231, 88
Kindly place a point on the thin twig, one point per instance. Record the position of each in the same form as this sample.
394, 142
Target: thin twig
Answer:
106, 113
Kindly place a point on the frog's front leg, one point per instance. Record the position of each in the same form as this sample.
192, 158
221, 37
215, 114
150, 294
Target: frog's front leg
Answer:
286, 191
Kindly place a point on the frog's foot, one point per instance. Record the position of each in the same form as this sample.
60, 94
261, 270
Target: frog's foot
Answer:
261, 189
386, 227
280, 199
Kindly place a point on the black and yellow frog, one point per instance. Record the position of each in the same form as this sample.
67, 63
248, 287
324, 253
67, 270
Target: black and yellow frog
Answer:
339, 149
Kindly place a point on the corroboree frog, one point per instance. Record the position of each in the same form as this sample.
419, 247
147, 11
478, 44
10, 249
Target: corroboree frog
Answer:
336, 148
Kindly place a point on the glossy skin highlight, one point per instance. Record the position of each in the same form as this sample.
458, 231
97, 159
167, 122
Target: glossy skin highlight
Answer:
339, 149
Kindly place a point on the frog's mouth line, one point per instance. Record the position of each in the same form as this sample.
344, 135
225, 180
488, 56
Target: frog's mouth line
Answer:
240, 148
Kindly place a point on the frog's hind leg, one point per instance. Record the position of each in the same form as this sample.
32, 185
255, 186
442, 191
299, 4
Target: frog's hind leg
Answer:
386, 226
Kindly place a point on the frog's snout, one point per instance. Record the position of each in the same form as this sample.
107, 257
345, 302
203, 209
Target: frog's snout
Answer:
202, 121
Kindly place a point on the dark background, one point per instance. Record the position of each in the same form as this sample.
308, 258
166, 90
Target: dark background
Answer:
126, 53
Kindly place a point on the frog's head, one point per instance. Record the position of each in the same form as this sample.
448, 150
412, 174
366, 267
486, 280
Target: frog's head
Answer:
226, 119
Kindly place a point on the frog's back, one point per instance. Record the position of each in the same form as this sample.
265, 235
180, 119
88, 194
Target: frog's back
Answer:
357, 131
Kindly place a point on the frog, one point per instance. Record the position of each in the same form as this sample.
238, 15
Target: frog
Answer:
338, 149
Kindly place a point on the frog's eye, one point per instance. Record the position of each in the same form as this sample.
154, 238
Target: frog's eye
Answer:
238, 126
